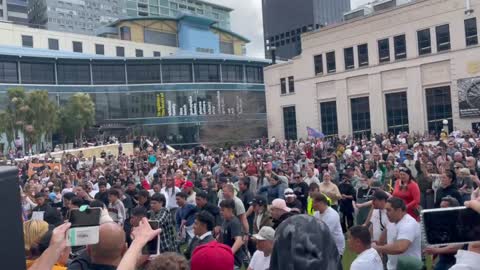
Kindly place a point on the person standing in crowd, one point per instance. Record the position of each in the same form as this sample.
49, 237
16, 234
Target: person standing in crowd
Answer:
311, 178
292, 202
202, 228
347, 192
447, 188
300, 188
261, 258
170, 193
407, 189
378, 219
273, 191
405, 240
360, 242
410, 163
328, 215
159, 212
240, 213
115, 207
362, 200
425, 185
232, 235
45, 210
331, 190
204, 205
188, 189
185, 217
280, 212
262, 214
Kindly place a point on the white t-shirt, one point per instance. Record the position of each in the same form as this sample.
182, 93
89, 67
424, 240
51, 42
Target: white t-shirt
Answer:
406, 229
170, 198
259, 261
367, 260
332, 219
377, 226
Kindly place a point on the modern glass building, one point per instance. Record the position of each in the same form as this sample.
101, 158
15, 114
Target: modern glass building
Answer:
185, 98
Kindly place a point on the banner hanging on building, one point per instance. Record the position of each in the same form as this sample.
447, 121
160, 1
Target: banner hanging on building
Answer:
469, 97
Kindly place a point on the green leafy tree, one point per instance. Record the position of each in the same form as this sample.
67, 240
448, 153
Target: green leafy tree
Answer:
42, 116
13, 118
77, 116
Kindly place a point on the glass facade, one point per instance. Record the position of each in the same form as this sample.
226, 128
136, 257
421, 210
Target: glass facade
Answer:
439, 108
154, 97
290, 123
360, 108
328, 114
397, 112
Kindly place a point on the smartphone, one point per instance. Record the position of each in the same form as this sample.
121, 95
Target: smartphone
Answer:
454, 225
153, 246
85, 226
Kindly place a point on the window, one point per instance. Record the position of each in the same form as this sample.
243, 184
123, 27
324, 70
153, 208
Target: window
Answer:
207, 73
160, 38
156, 54
27, 41
290, 123
328, 113
443, 37
400, 47
125, 33
77, 46
73, 73
8, 72
173, 73
53, 44
384, 50
254, 74
471, 35
143, 73
283, 86
99, 49
331, 66
424, 42
226, 47
397, 112
362, 55
439, 108
360, 116
120, 51
348, 56
108, 73
232, 73
318, 61
291, 84
138, 53
37, 73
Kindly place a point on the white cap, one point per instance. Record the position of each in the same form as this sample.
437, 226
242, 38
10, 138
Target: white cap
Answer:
265, 233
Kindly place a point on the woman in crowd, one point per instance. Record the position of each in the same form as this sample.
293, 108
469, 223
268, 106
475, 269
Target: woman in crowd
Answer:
331, 190
407, 189
447, 188
425, 185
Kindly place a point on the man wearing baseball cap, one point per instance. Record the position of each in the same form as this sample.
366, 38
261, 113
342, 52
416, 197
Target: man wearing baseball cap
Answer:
188, 189
261, 258
280, 212
292, 202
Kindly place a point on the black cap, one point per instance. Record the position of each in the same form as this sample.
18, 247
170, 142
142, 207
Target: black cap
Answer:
260, 200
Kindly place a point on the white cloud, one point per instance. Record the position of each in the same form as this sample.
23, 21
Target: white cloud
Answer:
246, 20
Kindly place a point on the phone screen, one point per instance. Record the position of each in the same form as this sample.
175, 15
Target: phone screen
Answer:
152, 246
451, 225
86, 218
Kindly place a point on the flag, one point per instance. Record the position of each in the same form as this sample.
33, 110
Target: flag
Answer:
314, 133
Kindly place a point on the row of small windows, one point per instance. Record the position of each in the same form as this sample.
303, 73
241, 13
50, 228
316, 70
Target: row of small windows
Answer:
439, 108
424, 43
33, 72
77, 46
289, 36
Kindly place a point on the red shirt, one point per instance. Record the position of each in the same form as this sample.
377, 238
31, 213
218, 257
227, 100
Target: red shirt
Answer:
251, 169
411, 197
179, 182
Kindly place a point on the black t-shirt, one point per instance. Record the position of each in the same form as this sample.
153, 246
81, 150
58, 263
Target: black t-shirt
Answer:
301, 190
230, 230
346, 188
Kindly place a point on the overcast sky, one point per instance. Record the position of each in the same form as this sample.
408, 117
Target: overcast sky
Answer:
246, 19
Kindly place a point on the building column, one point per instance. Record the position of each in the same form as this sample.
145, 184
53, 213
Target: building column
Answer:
376, 104
343, 108
416, 101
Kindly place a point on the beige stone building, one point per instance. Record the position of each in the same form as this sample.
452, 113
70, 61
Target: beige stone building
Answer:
406, 68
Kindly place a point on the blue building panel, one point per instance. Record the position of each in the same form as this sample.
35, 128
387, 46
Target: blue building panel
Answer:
197, 38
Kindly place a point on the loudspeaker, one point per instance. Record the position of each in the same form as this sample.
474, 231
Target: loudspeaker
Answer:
12, 250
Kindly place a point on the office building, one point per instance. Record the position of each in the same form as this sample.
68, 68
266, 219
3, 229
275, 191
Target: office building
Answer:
285, 20
14, 11
184, 92
172, 8
413, 67
75, 16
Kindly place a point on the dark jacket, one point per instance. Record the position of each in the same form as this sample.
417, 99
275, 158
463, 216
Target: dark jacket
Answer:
187, 212
283, 217
451, 191
195, 243
50, 215
273, 192
214, 211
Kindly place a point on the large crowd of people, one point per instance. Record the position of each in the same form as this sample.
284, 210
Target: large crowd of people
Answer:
267, 205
